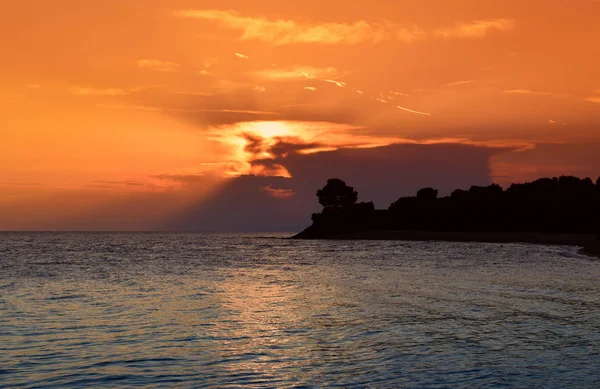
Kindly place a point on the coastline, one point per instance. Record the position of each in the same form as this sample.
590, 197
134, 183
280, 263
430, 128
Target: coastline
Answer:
586, 241
592, 249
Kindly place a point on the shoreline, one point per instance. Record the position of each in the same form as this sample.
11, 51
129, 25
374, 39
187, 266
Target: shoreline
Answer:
591, 249
587, 242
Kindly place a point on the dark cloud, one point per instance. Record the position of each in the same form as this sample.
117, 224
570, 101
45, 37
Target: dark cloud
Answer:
242, 204
288, 145
254, 144
380, 174
187, 179
279, 151
548, 160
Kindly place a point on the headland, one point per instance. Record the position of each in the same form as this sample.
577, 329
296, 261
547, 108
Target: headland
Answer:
555, 211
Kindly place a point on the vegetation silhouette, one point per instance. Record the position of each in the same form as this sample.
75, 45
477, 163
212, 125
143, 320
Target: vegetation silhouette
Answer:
336, 194
559, 205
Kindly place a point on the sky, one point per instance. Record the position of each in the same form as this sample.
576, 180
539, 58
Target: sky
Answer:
228, 115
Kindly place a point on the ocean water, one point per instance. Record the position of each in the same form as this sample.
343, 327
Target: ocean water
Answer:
104, 310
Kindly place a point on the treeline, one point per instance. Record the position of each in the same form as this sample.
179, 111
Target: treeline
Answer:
559, 205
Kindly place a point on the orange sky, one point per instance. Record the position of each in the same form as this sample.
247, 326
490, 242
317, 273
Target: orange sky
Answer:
114, 114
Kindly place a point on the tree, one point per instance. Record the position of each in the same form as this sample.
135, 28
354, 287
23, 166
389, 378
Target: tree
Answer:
427, 194
337, 195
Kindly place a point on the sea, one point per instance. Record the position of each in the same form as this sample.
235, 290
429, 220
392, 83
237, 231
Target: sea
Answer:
169, 310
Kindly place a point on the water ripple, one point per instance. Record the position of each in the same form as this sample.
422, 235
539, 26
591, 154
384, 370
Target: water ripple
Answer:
195, 311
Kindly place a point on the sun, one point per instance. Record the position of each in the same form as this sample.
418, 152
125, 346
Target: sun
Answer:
251, 141
272, 129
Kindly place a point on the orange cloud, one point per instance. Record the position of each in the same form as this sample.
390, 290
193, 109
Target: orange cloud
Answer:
257, 145
84, 91
291, 73
478, 29
338, 83
413, 111
282, 31
457, 83
409, 35
530, 92
595, 98
155, 64
190, 110
279, 193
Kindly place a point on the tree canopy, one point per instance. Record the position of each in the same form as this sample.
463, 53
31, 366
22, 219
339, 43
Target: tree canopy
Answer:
563, 204
337, 195
427, 194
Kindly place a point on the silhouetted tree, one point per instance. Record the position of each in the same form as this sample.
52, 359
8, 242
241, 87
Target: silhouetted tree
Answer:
459, 194
427, 194
486, 193
337, 195
560, 205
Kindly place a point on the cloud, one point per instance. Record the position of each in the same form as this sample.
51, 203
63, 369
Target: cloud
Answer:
413, 111
293, 73
548, 160
263, 147
310, 88
530, 92
84, 91
192, 93
283, 32
255, 112
456, 83
155, 64
203, 72
338, 83
184, 179
407, 35
279, 193
593, 99
208, 62
477, 29
525, 92
107, 184
239, 55
188, 110
381, 174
